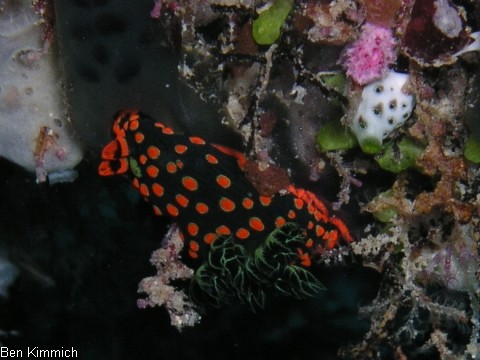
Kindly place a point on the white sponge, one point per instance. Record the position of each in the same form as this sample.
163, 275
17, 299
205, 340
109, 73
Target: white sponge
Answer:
35, 131
383, 107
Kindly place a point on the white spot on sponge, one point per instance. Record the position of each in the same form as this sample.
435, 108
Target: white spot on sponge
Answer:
383, 108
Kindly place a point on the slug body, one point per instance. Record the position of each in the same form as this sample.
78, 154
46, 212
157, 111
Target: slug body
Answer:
203, 189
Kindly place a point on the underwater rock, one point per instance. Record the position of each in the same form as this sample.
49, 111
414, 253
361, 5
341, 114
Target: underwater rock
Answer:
115, 57
333, 23
36, 130
472, 106
436, 32
383, 13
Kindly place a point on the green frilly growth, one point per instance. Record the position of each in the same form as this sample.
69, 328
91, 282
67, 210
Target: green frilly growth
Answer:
333, 80
231, 273
334, 136
400, 156
371, 145
395, 157
472, 150
266, 28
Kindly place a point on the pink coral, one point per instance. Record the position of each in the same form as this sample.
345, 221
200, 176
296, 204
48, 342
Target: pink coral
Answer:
368, 58
160, 288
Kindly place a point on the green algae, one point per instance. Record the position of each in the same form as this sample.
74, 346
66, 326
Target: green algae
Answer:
266, 28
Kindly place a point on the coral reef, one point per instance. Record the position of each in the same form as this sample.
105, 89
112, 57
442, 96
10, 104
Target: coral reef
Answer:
420, 226
383, 222
428, 305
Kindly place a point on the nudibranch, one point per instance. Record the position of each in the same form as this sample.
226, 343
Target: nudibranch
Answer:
202, 188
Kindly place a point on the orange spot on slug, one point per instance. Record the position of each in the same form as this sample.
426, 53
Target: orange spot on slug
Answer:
279, 222
189, 183
153, 152
152, 171
171, 167
223, 181
139, 137
180, 149
265, 200
144, 190
208, 238
226, 204
193, 245
134, 124
142, 159
158, 189
291, 214
172, 210
181, 200
256, 224
298, 203
192, 229
157, 211
223, 230
201, 208
196, 140
247, 203
242, 233
211, 159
